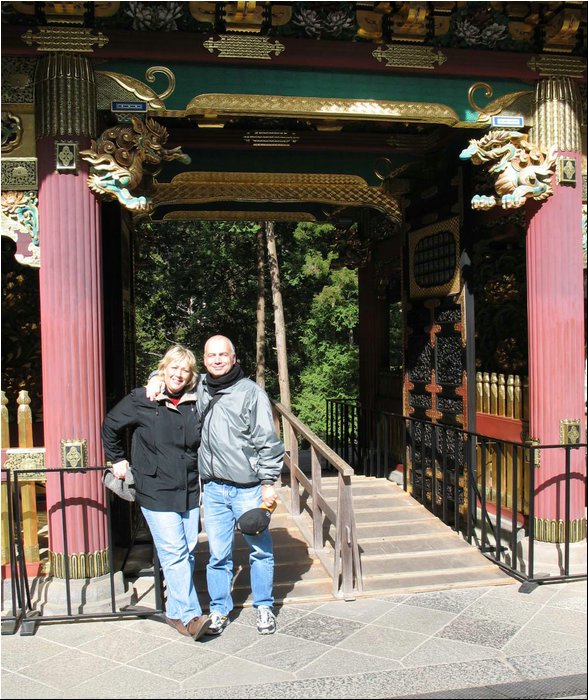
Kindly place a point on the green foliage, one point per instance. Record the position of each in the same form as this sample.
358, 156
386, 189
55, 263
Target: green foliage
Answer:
333, 376
194, 279
324, 361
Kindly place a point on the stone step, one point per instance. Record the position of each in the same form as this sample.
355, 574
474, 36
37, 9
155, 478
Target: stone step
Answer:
441, 579
299, 576
419, 526
402, 562
403, 546
408, 546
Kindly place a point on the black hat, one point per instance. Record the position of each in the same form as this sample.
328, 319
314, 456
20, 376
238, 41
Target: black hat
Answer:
254, 521
123, 488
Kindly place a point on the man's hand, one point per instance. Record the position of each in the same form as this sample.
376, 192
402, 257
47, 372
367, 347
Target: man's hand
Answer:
119, 469
269, 495
154, 387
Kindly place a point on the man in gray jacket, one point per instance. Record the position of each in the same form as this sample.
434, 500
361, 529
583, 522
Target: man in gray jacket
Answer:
239, 461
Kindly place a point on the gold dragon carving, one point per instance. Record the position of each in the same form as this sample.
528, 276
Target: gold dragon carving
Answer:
124, 159
523, 171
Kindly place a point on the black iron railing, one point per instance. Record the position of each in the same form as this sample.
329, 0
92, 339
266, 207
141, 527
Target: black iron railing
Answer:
25, 609
462, 478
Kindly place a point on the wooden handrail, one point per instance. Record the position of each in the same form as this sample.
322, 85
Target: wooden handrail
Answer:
344, 563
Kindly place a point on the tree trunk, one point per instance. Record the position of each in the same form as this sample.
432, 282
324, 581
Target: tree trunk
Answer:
260, 326
279, 324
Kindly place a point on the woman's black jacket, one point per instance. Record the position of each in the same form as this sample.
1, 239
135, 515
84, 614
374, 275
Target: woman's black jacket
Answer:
163, 450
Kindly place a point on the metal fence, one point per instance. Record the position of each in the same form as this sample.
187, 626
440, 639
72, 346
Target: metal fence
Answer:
24, 603
481, 486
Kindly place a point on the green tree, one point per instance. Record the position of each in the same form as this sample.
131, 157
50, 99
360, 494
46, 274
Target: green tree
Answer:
194, 279
322, 316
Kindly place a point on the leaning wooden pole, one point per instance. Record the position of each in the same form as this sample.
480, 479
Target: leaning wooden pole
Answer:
279, 323
260, 326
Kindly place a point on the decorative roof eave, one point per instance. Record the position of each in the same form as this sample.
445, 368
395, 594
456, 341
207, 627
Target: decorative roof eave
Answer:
337, 190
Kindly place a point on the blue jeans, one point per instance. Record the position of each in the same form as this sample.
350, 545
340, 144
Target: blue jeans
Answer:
223, 505
175, 536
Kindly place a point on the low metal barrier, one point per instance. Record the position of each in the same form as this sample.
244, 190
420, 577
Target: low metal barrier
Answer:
23, 610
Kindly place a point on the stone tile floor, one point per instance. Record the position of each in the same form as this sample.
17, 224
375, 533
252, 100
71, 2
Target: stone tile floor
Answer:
492, 642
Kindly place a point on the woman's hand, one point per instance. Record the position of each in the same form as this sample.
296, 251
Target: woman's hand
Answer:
119, 469
154, 387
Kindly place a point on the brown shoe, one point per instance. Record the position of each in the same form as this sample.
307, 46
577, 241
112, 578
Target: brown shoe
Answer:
198, 626
178, 625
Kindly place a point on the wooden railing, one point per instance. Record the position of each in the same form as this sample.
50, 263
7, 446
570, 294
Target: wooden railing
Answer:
502, 395
502, 409
333, 535
18, 458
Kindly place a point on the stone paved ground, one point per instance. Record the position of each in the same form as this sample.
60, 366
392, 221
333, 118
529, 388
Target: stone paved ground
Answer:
492, 642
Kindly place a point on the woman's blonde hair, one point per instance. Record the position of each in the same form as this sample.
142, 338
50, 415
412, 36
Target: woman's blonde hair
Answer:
178, 353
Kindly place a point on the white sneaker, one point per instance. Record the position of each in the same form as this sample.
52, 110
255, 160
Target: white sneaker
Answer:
217, 624
266, 620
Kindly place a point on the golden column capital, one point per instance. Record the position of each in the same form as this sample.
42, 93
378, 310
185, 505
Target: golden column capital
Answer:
65, 96
558, 114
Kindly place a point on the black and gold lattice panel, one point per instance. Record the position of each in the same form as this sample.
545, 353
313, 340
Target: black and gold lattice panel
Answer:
434, 259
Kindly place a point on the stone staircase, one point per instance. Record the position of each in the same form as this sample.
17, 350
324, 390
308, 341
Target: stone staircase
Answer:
299, 576
404, 549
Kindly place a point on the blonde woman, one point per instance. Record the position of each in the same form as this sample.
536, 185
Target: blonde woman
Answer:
166, 436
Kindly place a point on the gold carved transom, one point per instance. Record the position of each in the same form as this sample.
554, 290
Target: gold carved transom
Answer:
338, 190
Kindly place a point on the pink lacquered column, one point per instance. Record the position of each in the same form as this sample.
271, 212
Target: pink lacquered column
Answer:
556, 317
71, 316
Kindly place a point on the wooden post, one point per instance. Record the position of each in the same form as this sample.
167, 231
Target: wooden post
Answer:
486, 392
510, 397
479, 393
494, 394
28, 489
4, 414
501, 395
5, 550
72, 321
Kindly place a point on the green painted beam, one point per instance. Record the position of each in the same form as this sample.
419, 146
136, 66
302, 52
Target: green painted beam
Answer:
196, 80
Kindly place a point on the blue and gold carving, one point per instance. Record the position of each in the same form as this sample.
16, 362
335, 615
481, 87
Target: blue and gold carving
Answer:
124, 158
20, 222
523, 171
